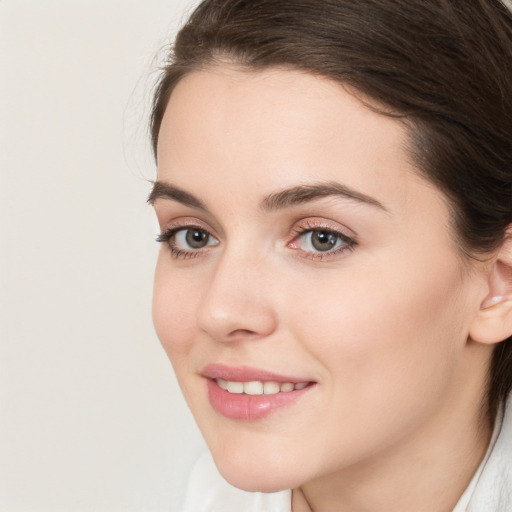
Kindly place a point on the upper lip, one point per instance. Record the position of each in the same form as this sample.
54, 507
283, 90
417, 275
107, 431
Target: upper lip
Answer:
246, 374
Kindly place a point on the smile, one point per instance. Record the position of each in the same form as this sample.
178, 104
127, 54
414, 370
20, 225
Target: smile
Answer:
257, 387
249, 394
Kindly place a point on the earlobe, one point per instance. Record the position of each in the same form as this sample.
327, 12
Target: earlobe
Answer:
493, 323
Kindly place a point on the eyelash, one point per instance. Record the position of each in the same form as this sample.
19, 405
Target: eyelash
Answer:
168, 237
349, 243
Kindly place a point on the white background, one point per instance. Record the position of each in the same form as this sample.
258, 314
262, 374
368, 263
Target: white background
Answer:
91, 418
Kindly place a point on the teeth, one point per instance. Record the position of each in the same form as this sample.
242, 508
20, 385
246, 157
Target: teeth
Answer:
271, 388
222, 383
235, 387
253, 388
257, 387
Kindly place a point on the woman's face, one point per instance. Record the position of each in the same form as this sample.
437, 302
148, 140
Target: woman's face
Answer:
302, 250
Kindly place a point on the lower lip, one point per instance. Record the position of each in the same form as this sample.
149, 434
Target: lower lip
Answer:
250, 407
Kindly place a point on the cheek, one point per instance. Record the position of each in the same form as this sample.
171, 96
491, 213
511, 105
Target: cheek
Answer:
173, 310
386, 334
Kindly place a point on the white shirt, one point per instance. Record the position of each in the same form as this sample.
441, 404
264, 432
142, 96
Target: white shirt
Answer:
490, 489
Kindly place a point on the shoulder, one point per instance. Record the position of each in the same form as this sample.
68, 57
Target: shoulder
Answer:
207, 491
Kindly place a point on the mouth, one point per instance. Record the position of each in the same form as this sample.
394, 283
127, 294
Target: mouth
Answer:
243, 393
258, 387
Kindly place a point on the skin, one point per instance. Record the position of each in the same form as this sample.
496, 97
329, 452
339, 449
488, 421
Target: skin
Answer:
382, 327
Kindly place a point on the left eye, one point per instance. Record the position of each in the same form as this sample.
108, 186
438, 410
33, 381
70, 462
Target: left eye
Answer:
322, 240
193, 238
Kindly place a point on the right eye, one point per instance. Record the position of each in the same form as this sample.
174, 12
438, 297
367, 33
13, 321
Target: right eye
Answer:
192, 238
187, 241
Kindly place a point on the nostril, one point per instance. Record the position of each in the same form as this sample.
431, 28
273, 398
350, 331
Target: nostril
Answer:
244, 334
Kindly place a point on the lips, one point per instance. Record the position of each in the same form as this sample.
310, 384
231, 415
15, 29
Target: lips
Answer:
249, 394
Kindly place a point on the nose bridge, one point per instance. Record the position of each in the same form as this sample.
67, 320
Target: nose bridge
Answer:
237, 302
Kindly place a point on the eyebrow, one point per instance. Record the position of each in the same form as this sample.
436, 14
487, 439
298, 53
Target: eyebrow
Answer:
163, 190
278, 200
306, 193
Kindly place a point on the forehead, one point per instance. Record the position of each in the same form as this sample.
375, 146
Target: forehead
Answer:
265, 130
273, 101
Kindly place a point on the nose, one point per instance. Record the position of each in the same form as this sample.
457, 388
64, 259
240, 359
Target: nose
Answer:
238, 304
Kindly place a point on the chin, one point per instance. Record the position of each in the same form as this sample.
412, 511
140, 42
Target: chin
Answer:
255, 475
248, 481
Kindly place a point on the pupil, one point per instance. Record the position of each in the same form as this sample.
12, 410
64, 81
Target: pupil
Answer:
196, 238
323, 240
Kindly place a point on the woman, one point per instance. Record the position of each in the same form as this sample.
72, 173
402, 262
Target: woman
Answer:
334, 288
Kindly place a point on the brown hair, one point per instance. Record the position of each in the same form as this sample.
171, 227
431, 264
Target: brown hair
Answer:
443, 67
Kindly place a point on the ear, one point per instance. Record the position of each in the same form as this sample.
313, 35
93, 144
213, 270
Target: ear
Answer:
493, 323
